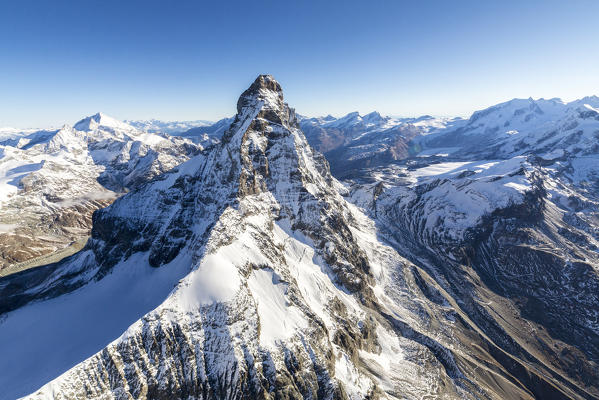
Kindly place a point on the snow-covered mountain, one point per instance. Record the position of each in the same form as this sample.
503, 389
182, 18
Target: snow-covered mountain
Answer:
249, 271
355, 141
52, 181
428, 124
525, 126
548, 128
168, 127
515, 242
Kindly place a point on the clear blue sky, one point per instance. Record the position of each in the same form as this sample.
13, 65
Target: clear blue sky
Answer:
62, 60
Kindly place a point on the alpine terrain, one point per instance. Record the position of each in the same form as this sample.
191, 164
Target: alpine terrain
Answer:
250, 272
354, 141
52, 181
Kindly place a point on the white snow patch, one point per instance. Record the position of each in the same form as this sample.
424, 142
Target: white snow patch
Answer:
438, 152
279, 320
215, 280
355, 384
5, 228
437, 169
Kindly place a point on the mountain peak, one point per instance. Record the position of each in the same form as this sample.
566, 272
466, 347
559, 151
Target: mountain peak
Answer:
266, 89
374, 114
263, 100
101, 119
266, 82
373, 117
593, 101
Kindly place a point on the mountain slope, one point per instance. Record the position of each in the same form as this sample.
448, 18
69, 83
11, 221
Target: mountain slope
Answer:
512, 242
509, 227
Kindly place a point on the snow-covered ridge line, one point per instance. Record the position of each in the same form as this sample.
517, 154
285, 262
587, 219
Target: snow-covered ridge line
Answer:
525, 126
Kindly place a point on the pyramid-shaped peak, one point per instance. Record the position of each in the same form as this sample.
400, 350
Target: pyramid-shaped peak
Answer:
263, 101
373, 117
266, 82
374, 114
266, 89
100, 119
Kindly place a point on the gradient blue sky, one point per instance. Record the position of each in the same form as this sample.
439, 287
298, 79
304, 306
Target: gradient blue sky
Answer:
62, 60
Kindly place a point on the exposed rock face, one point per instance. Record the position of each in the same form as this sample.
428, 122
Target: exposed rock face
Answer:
265, 282
52, 182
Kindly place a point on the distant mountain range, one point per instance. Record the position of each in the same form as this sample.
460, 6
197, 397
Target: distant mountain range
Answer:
349, 142
169, 127
522, 126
